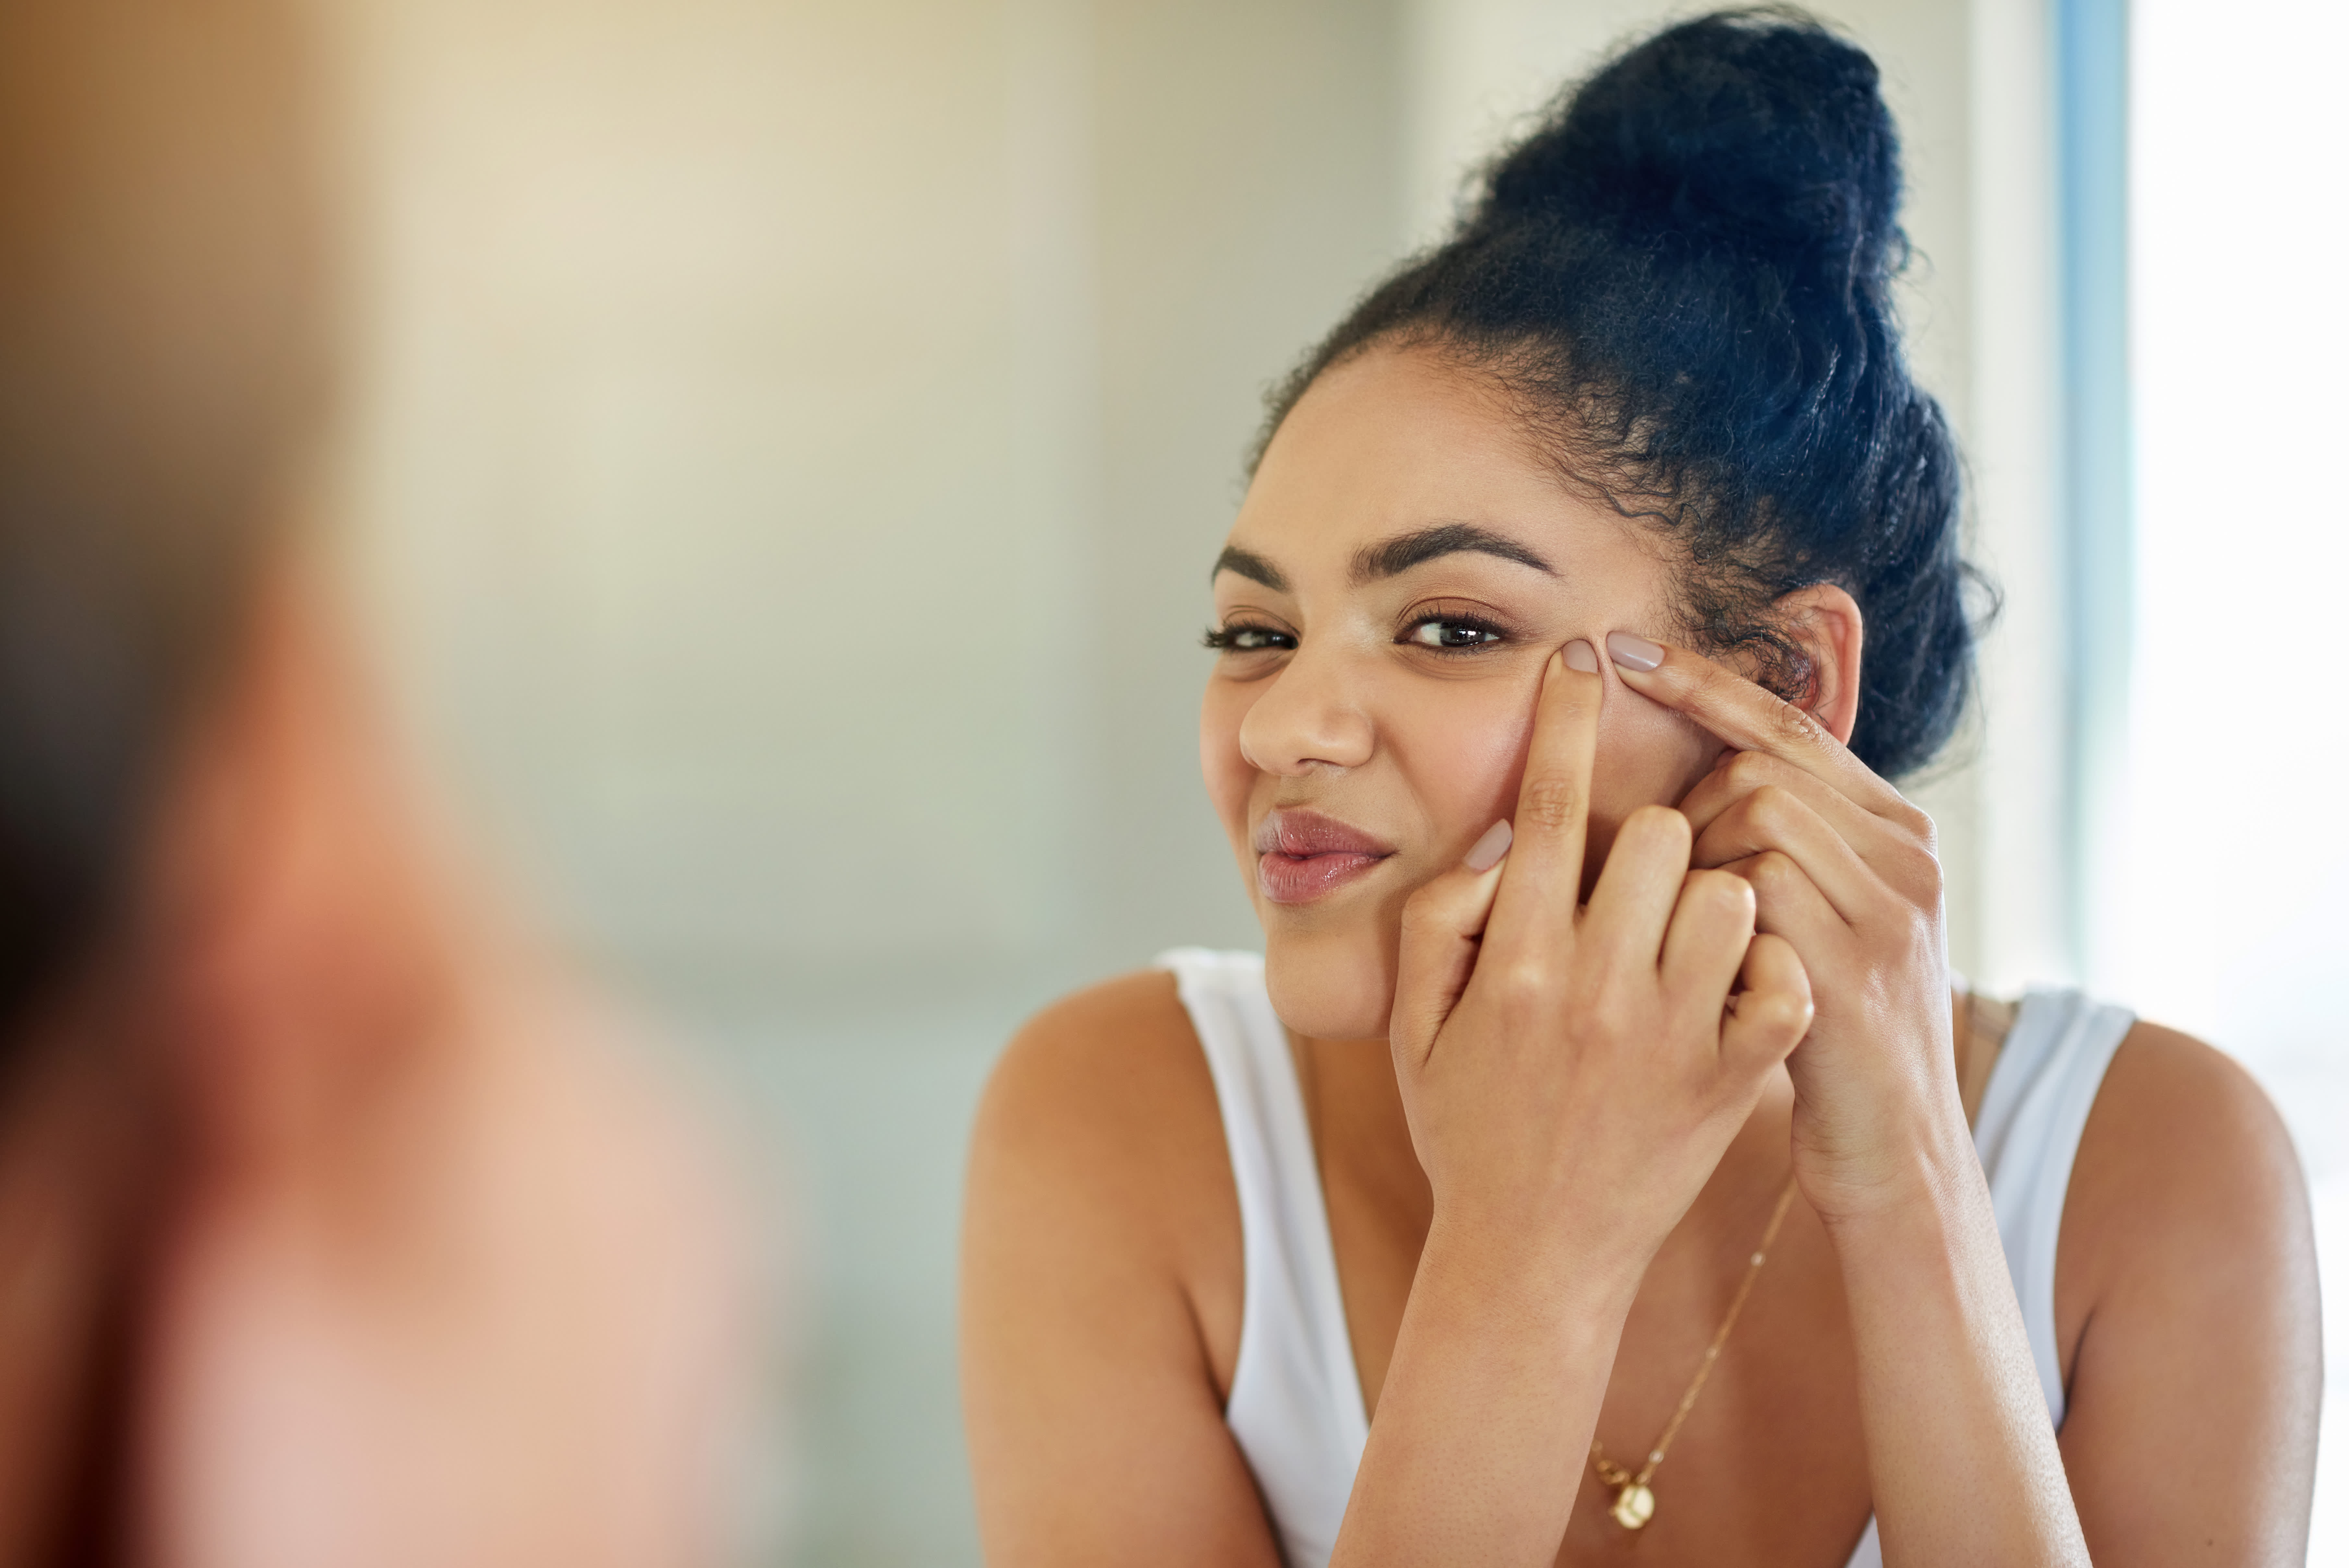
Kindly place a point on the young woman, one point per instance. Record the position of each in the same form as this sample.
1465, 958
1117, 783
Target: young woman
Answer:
1603, 1163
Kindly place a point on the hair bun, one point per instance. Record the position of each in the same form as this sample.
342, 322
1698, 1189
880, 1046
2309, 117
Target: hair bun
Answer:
1759, 130
1679, 282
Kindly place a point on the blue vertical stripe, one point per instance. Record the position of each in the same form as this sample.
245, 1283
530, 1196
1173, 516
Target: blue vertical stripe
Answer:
2092, 95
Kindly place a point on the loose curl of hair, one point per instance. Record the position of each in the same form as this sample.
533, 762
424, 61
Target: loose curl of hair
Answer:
1681, 280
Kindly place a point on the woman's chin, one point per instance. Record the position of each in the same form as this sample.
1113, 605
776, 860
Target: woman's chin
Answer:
1331, 985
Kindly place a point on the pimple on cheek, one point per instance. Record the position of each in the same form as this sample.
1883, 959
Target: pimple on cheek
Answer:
1648, 753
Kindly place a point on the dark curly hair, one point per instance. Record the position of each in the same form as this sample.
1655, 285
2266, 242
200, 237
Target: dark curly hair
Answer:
1681, 280
165, 326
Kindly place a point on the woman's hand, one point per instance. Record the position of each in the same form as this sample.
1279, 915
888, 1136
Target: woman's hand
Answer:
1572, 1075
1844, 868
1571, 1078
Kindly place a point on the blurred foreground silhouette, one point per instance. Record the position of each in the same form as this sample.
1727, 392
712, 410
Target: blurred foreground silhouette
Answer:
337, 1226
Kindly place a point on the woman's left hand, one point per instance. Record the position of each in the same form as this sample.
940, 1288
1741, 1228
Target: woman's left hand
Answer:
1844, 868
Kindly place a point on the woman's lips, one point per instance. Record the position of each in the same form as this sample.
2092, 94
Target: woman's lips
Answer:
1303, 855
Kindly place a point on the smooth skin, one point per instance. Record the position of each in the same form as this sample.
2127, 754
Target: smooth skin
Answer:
1544, 1180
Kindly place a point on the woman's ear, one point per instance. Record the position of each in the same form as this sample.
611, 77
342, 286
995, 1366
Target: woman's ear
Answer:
1824, 622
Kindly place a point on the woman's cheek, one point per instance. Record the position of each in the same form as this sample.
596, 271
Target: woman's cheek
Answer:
1465, 754
1648, 755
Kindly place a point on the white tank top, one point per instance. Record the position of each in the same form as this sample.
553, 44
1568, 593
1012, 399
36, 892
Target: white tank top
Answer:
1296, 1406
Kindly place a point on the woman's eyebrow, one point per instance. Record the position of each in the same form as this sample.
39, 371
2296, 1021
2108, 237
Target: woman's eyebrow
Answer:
1251, 565
1392, 557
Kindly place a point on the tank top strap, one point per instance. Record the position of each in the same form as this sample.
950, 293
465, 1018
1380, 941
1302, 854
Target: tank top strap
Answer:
2034, 1111
1295, 1404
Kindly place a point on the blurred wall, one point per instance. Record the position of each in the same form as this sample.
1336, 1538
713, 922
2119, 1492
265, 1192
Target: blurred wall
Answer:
792, 442
714, 479
792, 439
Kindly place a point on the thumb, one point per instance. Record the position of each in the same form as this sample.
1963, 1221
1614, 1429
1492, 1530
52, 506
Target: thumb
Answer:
1441, 925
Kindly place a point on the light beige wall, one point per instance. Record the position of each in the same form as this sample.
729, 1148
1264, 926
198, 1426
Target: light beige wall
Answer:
793, 436
712, 481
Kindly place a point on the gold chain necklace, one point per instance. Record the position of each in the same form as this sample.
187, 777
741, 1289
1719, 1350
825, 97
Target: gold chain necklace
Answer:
1634, 1504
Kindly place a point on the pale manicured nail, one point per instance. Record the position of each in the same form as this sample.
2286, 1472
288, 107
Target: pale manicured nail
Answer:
1634, 652
1487, 851
1580, 655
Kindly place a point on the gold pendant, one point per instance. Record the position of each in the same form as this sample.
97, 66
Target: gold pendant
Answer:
1634, 1505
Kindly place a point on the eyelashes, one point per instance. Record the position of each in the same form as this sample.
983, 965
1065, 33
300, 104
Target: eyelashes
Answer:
1245, 637
1454, 633
1455, 626
1438, 630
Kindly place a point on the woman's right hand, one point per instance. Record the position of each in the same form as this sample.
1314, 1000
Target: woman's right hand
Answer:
1572, 1075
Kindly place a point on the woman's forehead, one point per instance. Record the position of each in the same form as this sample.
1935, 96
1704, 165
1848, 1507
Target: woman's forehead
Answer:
1389, 445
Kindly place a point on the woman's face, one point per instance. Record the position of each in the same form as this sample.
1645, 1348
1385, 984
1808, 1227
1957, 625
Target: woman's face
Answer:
1403, 566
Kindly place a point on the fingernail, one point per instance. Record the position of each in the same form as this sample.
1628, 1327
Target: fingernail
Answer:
1486, 852
1634, 652
1580, 655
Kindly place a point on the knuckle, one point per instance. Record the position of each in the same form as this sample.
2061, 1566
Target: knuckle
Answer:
1752, 770
1771, 803
1424, 912
1772, 871
1659, 827
1777, 1015
1796, 726
1919, 873
1526, 977
1720, 892
1929, 833
1523, 989
1912, 820
1550, 803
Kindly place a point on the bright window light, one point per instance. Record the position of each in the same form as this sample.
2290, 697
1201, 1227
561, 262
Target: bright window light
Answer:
2226, 911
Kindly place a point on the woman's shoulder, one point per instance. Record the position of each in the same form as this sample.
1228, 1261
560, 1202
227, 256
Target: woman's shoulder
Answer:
1109, 1086
1121, 1046
2185, 1287
1099, 1166
2178, 1106
2184, 1158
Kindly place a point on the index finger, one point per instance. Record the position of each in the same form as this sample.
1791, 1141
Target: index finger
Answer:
1749, 718
1541, 886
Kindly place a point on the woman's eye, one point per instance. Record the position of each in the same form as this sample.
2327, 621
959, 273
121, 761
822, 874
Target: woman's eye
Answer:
1438, 631
1247, 639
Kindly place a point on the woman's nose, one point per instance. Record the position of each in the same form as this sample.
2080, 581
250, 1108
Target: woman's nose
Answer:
1306, 715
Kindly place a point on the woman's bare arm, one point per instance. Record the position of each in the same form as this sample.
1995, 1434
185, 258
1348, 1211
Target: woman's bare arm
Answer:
2191, 1432
1099, 1181
1961, 1457
2190, 1428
